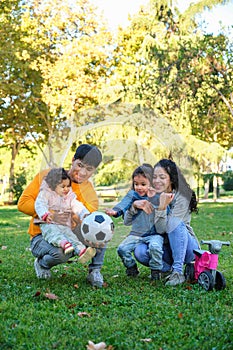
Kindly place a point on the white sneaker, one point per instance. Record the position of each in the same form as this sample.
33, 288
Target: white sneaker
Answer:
95, 278
87, 255
41, 272
175, 278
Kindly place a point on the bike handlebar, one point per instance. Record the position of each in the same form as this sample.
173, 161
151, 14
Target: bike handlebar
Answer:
215, 245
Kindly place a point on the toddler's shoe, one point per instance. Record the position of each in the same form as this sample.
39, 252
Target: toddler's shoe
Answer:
155, 275
86, 254
67, 246
132, 271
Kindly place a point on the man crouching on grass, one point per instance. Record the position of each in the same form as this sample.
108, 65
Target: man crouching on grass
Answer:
85, 161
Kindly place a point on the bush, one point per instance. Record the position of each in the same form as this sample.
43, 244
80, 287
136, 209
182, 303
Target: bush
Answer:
228, 180
19, 183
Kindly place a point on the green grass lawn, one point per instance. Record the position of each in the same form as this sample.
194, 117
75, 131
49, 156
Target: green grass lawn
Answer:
127, 314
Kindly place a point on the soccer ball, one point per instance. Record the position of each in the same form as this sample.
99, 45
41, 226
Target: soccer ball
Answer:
97, 229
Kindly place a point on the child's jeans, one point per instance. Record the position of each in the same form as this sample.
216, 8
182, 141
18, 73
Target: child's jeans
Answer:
155, 250
179, 251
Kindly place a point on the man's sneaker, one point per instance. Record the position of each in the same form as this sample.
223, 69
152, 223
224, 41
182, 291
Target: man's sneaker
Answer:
174, 279
155, 275
41, 272
86, 255
132, 271
95, 278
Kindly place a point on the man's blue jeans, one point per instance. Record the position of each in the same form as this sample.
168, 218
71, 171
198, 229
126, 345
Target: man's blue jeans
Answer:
50, 255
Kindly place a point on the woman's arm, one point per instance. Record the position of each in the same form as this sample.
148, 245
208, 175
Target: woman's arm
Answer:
161, 216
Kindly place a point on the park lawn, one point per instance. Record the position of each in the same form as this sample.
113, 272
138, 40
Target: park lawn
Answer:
127, 314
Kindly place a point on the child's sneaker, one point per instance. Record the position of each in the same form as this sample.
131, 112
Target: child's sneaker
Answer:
155, 275
67, 246
132, 271
86, 254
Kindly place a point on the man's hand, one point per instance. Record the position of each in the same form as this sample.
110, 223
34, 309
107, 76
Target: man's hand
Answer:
60, 218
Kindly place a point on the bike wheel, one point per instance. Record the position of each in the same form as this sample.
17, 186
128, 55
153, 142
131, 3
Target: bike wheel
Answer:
206, 280
189, 272
220, 282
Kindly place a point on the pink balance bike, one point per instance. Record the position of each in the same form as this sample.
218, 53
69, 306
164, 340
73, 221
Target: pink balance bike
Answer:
204, 269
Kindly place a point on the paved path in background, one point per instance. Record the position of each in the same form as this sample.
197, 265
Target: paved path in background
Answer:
218, 200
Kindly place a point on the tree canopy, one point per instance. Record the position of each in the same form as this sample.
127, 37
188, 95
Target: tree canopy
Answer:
58, 60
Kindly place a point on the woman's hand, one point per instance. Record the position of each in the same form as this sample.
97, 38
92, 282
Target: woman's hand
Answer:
164, 200
144, 205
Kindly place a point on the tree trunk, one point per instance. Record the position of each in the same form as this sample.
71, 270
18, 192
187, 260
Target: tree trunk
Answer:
215, 188
14, 151
207, 184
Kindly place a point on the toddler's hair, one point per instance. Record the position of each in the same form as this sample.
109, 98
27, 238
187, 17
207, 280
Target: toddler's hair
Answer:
55, 177
145, 170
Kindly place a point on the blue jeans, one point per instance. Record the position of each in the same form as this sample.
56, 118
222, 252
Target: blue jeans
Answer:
182, 244
50, 255
155, 250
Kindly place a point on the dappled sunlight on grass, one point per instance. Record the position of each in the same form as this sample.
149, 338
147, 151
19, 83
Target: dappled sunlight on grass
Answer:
127, 313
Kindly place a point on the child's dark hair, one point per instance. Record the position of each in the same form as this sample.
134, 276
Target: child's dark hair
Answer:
178, 182
55, 177
145, 170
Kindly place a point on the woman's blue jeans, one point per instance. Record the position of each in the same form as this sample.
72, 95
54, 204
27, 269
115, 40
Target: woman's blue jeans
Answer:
176, 254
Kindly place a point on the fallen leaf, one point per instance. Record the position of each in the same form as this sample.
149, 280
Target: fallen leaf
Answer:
51, 296
180, 315
76, 286
99, 346
37, 294
83, 314
4, 247
188, 287
72, 306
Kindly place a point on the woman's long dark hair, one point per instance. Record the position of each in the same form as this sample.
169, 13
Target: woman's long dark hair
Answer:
178, 182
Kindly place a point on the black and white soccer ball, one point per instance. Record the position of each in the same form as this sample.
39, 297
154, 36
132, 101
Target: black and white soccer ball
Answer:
97, 229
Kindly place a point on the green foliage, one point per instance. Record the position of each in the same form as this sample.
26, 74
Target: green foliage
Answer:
127, 313
19, 182
114, 173
185, 75
228, 180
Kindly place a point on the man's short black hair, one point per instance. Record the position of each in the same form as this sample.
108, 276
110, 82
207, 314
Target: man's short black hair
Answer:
89, 154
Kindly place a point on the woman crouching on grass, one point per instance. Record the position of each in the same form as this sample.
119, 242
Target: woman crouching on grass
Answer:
167, 178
